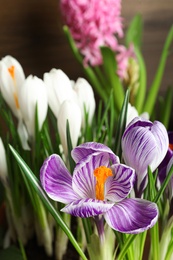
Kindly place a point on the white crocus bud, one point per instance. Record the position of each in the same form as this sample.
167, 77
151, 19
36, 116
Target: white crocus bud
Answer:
11, 80
32, 94
86, 99
3, 164
59, 89
70, 111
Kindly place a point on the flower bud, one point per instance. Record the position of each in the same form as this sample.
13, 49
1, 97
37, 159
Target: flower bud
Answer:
70, 111
144, 144
86, 99
32, 94
59, 88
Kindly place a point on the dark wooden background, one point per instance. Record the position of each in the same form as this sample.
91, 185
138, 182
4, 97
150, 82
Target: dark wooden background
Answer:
31, 31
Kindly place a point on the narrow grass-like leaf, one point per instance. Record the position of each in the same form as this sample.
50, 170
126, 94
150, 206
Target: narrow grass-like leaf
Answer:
164, 185
35, 183
140, 97
110, 72
121, 124
166, 110
134, 32
153, 91
69, 146
126, 246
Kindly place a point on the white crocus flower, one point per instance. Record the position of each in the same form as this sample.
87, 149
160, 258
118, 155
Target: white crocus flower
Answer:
33, 93
132, 113
86, 99
11, 81
3, 164
70, 111
59, 89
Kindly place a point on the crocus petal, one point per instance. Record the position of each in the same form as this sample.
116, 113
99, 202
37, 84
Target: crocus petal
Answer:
83, 150
56, 180
85, 208
132, 216
119, 186
3, 164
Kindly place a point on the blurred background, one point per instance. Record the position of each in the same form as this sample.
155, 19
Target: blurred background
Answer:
31, 31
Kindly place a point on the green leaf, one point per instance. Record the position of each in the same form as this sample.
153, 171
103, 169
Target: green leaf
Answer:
164, 185
121, 124
11, 253
153, 91
166, 108
35, 183
134, 32
70, 147
110, 71
140, 97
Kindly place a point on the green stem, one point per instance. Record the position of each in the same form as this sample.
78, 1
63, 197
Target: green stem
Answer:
155, 242
142, 244
24, 257
125, 248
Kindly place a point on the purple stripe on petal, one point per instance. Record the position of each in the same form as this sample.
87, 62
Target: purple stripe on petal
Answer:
88, 148
120, 185
132, 216
85, 208
56, 180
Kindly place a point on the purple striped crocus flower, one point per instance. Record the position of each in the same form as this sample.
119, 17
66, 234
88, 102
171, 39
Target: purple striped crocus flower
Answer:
98, 188
144, 144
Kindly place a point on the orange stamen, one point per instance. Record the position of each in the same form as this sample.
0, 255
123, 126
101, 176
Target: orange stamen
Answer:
101, 173
16, 100
11, 71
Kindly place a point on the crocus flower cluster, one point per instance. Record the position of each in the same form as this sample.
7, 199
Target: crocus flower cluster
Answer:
144, 144
22, 95
94, 24
100, 186
69, 100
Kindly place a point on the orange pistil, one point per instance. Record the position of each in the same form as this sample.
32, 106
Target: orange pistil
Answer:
171, 146
101, 173
11, 71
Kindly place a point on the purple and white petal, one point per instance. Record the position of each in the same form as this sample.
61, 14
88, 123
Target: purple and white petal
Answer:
85, 208
56, 180
120, 185
132, 216
84, 181
88, 148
